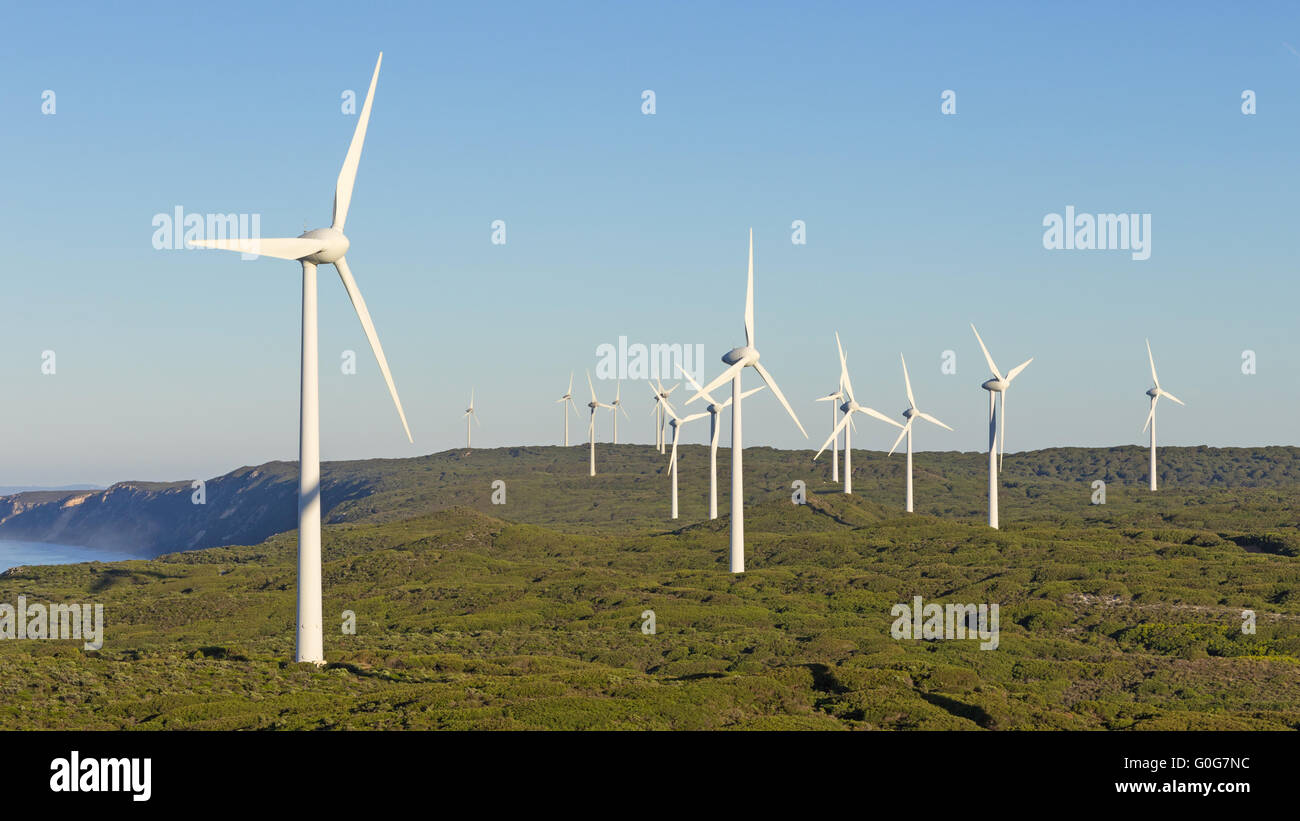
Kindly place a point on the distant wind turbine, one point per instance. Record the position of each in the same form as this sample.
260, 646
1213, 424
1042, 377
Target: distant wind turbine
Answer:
836, 399
714, 409
999, 385
312, 248
470, 414
849, 408
676, 422
1155, 394
661, 402
618, 406
911, 415
738, 359
567, 399
595, 405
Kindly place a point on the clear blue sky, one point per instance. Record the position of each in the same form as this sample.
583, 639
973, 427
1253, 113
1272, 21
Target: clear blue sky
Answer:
179, 364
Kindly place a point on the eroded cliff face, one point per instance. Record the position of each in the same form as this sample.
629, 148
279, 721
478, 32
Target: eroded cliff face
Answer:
148, 519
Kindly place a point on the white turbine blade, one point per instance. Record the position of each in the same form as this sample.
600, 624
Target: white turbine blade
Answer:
749, 295
878, 415
828, 397
692, 417
625, 413
907, 380
477, 421
771, 383
722, 378
901, 434
1152, 414
1017, 369
696, 385
674, 387
279, 247
844, 369
569, 392
672, 462
747, 394
987, 356
927, 417
341, 264
1169, 395
348, 174
593, 387
1152, 360
843, 422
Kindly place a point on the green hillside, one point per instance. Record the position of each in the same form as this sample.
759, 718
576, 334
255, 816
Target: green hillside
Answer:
528, 615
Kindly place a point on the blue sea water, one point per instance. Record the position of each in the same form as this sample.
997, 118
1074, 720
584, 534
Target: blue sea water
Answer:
13, 554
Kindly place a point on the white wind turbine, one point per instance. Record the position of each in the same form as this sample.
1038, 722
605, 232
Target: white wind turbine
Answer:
470, 414
676, 423
1155, 394
836, 399
999, 385
662, 402
567, 399
849, 408
911, 415
738, 359
617, 404
312, 248
595, 405
714, 409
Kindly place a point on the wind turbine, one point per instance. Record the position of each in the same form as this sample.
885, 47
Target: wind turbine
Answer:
469, 413
714, 409
661, 401
738, 359
999, 385
676, 423
836, 399
1155, 394
849, 408
312, 248
617, 404
911, 415
594, 404
567, 399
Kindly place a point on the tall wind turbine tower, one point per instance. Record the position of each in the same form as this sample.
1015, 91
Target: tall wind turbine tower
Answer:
997, 385
738, 359
836, 399
312, 248
676, 422
618, 406
1155, 393
567, 400
594, 405
470, 414
911, 415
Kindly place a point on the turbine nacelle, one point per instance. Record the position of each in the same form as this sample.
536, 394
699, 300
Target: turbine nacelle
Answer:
1153, 393
744, 353
909, 413
997, 385
335, 245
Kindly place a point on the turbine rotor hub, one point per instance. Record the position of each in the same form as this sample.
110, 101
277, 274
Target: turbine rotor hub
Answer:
335, 245
1153, 393
743, 353
996, 385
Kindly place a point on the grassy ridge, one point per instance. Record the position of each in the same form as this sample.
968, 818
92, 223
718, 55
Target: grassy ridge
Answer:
528, 614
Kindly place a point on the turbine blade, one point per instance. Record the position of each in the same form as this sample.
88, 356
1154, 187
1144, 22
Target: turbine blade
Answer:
625, 413
693, 417
901, 434
878, 415
927, 417
341, 264
987, 357
749, 295
1169, 395
279, 247
1152, 414
672, 462
593, 387
844, 369
1002, 431
748, 393
348, 174
569, 392
722, 378
843, 422
696, 385
771, 383
907, 380
1017, 369
1152, 360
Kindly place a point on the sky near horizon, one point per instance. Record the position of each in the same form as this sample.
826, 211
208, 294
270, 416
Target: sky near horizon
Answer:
176, 364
